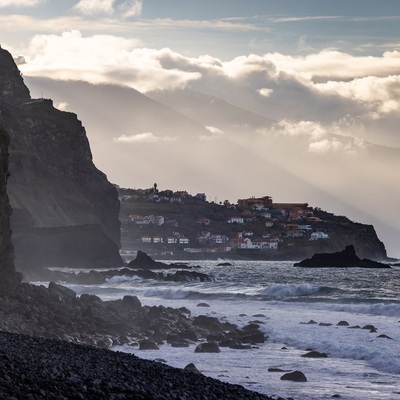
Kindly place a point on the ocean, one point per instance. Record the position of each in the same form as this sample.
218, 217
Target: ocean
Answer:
360, 365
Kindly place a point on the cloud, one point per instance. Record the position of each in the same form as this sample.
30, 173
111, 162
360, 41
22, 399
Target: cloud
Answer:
215, 133
146, 137
356, 96
103, 59
131, 8
266, 92
288, 128
63, 105
89, 7
21, 3
127, 9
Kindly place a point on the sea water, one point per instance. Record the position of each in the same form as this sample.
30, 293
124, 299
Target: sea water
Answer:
283, 298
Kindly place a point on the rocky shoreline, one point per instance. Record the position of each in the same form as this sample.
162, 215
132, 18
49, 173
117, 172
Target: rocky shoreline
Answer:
38, 368
68, 355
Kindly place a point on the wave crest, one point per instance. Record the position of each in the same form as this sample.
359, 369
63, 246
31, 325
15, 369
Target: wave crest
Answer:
287, 290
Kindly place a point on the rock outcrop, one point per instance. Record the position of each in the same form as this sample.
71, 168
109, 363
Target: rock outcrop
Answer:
53, 182
341, 259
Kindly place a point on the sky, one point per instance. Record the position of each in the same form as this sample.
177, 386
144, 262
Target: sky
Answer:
326, 73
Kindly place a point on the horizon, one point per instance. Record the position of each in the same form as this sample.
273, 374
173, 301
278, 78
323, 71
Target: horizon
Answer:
314, 84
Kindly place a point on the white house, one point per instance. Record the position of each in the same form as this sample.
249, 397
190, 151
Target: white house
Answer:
319, 235
237, 220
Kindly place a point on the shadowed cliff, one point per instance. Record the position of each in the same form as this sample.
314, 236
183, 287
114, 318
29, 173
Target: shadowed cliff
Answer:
8, 274
53, 182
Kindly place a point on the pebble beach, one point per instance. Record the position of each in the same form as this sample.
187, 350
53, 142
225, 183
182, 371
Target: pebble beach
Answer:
39, 368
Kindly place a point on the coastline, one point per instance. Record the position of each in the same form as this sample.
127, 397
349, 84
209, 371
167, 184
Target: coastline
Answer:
42, 368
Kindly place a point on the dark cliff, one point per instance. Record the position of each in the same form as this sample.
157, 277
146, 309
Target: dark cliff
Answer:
8, 274
53, 182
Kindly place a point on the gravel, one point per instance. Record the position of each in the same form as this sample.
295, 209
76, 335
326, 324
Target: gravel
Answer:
41, 368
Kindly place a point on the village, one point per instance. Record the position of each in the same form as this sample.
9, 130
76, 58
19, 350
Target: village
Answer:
171, 223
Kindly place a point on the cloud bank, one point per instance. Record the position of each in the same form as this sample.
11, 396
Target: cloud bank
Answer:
20, 3
339, 91
130, 8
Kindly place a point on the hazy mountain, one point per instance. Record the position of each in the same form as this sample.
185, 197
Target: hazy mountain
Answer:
212, 111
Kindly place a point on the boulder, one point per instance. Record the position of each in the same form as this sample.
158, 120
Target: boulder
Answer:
295, 376
192, 368
132, 302
144, 261
341, 259
207, 347
204, 321
148, 345
187, 276
315, 354
62, 292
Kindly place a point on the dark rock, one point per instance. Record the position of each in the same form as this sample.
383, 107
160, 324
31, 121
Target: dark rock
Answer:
370, 328
277, 370
224, 264
295, 376
144, 261
192, 368
251, 327
187, 276
203, 305
315, 354
207, 347
253, 337
132, 302
325, 324
148, 345
62, 292
205, 321
343, 323
384, 337
341, 259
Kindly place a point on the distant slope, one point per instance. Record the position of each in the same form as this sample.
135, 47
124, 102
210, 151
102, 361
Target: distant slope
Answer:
212, 111
120, 110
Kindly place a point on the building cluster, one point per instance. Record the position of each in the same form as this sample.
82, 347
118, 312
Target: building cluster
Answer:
279, 222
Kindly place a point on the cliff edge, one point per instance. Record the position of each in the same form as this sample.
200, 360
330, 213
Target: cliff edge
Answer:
53, 182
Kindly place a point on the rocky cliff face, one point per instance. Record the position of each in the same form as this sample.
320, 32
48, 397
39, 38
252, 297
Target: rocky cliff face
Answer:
53, 181
8, 274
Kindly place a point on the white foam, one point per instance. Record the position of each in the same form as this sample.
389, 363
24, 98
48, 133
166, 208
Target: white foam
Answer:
167, 293
118, 279
287, 290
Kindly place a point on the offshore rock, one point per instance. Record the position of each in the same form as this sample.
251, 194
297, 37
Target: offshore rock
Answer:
342, 259
295, 376
53, 181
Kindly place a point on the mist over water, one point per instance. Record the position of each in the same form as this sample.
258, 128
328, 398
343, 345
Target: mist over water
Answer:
283, 299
